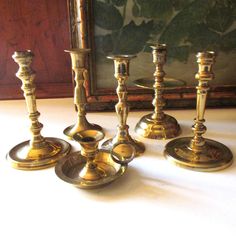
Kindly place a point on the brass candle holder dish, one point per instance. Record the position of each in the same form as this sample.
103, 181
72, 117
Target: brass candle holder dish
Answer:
91, 167
158, 125
123, 138
198, 153
39, 152
78, 58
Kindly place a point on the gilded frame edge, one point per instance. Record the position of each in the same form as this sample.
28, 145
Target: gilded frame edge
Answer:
81, 33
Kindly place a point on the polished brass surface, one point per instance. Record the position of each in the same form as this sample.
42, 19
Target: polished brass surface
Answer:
198, 153
147, 83
158, 125
121, 64
165, 128
120, 152
39, 152
214, 156
91, 167
78, 58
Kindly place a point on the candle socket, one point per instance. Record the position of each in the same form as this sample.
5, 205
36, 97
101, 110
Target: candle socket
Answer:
89, 140
158, 125
198, 153
121, 64
78, 59
39, 152
91, 167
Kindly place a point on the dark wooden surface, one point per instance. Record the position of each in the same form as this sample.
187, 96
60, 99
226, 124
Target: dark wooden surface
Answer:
43, 27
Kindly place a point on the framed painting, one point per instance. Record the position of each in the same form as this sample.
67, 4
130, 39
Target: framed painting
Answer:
131, 26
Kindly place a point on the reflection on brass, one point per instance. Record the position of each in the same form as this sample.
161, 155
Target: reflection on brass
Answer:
121, 64
91, 167
158, 125
39, 152
123, 152
198, 153
147, 83
78, 58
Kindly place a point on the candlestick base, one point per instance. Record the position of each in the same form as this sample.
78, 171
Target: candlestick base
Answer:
147, 83
213, 156
124, 149
165, 128
24, 157
74, 170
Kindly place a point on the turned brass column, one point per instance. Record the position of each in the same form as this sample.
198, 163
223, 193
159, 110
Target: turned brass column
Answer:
38, 152
158, 125
196, 152
78, 58
121, 64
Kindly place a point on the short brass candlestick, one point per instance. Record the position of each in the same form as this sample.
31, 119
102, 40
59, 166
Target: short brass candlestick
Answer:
91, 167
198, 153
39, 152
121, 63
78, 57
158, 125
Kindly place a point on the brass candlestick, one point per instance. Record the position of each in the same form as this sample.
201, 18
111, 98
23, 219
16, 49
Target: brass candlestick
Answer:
90, 168
78, 57
39, 152
158, 125
121, 63
198, 153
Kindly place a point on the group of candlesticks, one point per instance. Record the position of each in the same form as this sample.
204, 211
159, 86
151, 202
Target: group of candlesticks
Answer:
92, 167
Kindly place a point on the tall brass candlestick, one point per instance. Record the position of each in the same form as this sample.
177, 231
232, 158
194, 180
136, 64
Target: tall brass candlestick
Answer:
39, 152
198, 153
121, 64
158, 125
78, 57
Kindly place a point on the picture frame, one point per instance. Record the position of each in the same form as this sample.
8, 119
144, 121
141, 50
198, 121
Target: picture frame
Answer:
82, 25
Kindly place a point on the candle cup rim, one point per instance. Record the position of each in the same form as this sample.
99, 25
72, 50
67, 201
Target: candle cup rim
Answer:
78, 50
208, 54
79, 136
121, 56
159, 46
23, 53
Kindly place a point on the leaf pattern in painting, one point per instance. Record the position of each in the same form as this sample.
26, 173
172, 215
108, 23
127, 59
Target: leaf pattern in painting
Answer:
186, 26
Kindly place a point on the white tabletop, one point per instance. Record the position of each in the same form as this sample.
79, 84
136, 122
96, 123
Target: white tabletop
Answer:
152, 198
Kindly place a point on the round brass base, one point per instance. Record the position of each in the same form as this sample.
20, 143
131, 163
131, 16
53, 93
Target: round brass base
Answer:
73, 129
72, 170
167, 128
23, 157
215, 156
125, 150
147, 83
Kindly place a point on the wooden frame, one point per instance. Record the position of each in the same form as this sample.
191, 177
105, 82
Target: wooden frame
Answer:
82, 34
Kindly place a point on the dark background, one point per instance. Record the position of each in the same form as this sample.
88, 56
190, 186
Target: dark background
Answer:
43, 27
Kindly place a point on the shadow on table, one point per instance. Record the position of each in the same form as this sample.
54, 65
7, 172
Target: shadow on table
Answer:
186, 130
135, 186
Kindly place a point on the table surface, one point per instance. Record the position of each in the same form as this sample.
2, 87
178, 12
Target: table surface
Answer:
152, 198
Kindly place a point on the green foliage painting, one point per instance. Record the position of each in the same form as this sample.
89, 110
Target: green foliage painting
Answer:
186, 26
